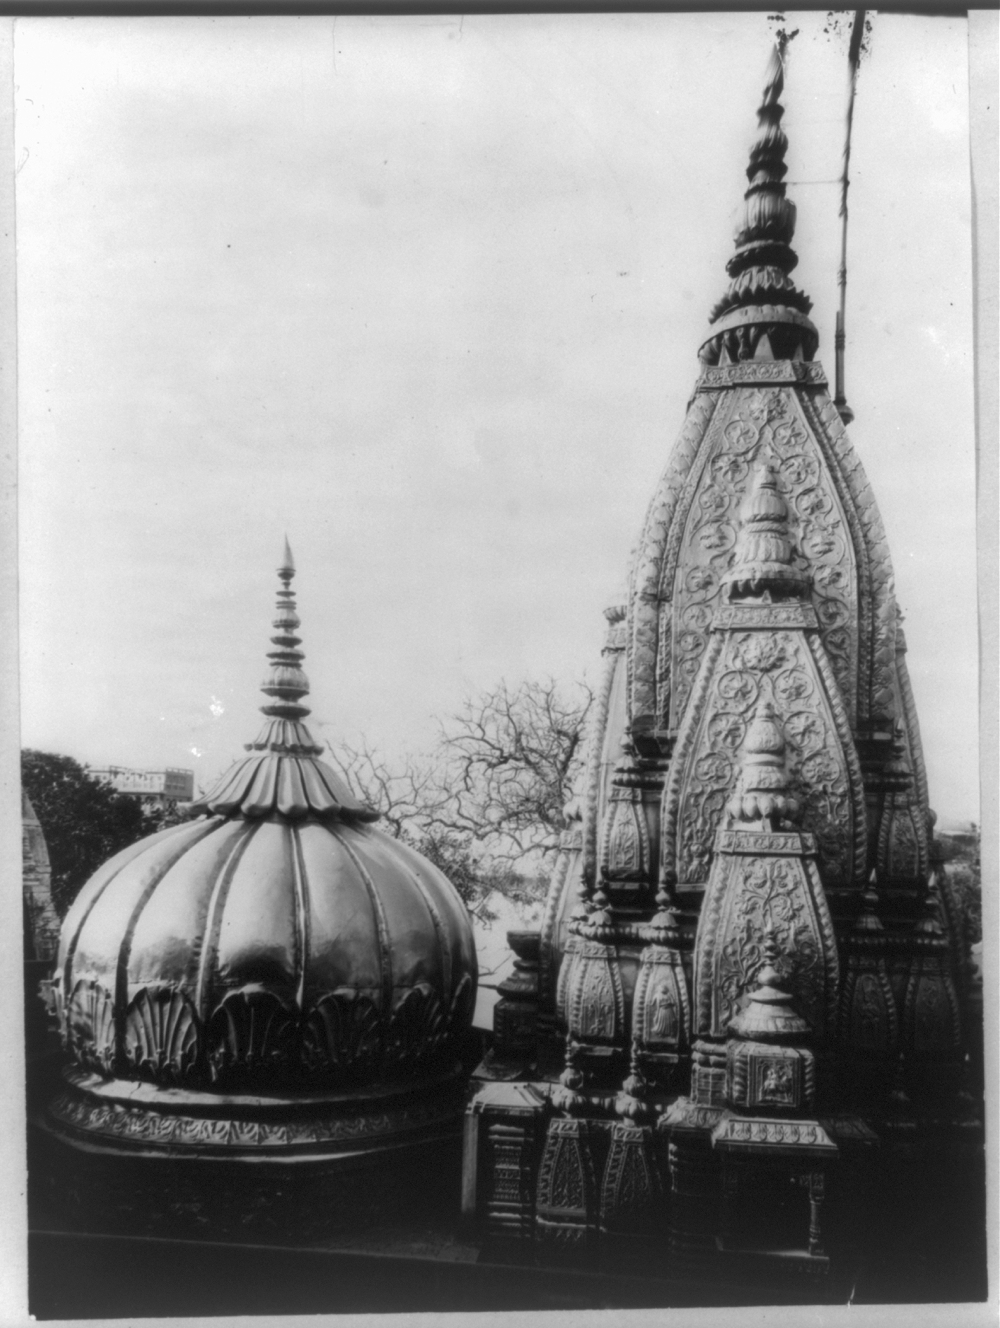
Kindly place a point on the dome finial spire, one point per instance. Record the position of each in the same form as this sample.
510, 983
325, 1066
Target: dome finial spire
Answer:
287, 562
286, 682
762, 315
282, 772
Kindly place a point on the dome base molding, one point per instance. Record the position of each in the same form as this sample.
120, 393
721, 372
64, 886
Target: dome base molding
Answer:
295, 1171
120, 1116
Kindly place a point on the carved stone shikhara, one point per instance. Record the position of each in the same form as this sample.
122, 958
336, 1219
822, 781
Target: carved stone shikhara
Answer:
273, 977
752, 831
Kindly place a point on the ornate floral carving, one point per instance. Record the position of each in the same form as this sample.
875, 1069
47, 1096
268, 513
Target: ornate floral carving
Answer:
644, 583
630, 1187
762, 371
595, 1002
734, 1130
765, 424
341, 1035
625, 852
251, 1036
902, 842
417, 1028
565, 1198
869, 1020
821, 759
90, 1026
115, 1120
757, 906
162, 1038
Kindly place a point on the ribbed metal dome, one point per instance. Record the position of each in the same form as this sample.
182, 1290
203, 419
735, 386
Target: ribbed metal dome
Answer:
277, 944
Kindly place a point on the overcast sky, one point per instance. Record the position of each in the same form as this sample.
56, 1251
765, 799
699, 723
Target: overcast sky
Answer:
426, 293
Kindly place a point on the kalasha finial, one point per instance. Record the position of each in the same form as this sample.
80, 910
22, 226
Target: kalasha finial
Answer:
287, 562
286, 683
761, 794
762, 315
769, 1015
282, 775
762, 558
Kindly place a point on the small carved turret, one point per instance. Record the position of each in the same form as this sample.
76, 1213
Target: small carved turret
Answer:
761, 795
768, 1064
869, 1019
769, 1015
763, 558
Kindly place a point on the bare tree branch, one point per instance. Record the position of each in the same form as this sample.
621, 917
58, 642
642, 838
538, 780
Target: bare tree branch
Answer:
487, 806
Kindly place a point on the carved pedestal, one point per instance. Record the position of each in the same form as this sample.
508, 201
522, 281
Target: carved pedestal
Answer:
515, 1018
694, 1171
632, 1216
566, 1205
503, 1133
165, 1161
773, 1186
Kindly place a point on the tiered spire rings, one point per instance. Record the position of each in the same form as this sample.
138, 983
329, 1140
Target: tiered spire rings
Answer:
283, 774
762, 315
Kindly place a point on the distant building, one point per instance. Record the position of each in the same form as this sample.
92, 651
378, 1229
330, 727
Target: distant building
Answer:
170, 785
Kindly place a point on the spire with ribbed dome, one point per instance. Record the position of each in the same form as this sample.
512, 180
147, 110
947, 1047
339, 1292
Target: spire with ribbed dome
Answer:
762, 314
283, 775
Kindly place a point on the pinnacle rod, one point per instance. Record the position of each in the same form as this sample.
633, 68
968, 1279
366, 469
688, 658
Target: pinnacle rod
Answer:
853, 58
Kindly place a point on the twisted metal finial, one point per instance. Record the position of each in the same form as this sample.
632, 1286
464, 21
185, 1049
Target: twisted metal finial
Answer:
762, 303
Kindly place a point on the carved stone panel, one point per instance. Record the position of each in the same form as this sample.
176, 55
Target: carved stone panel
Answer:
869, 1019
932, 1025
595, 1001
661, 1018
566, 1203
630, 1186
740, 670
837, 524
756, 904
625, 852
766, 423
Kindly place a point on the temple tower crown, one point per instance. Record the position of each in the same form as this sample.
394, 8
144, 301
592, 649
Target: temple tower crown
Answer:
763, 315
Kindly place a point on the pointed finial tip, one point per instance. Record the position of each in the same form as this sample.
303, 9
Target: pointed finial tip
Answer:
287, 561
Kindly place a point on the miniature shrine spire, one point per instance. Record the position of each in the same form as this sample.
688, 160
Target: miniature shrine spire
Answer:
762, 788
762, 315
763, 557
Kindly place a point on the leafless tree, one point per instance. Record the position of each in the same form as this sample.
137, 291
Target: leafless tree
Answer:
488, 803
